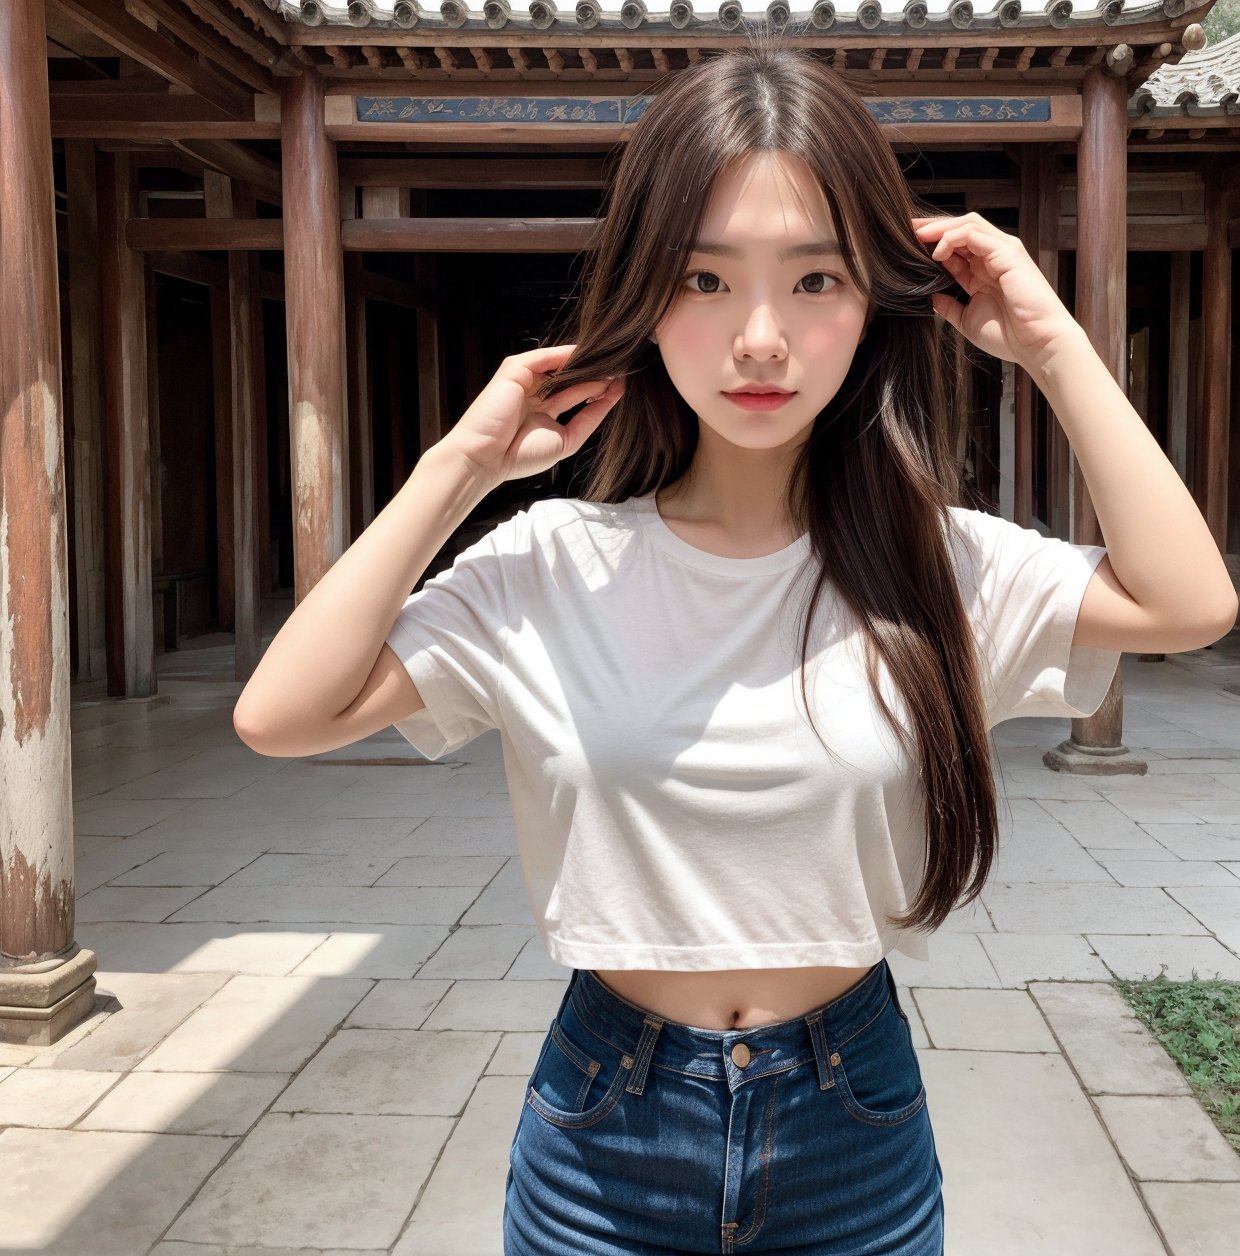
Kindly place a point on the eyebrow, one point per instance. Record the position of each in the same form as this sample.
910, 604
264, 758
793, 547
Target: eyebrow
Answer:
813, 248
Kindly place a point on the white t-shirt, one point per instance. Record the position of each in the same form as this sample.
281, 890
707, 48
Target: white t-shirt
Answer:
673, 807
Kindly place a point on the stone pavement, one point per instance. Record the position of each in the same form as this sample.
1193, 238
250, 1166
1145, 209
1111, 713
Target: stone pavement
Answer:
321, 995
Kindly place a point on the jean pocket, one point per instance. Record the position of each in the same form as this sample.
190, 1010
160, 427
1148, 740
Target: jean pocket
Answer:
579, 1078
876, 1073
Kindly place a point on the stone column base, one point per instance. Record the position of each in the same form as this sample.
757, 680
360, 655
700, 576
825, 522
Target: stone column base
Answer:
1071, 756
38, 1007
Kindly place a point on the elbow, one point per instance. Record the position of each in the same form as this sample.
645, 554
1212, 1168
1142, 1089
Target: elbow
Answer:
1227, 620
251, 730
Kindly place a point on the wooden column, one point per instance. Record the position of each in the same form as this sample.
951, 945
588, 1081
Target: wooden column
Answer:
217, 192
314, 307
128, 600
85, 350
1177, 363
1216, 377
235, 310
1034, 161
46, 984
1055, 264
1094, 746
432, 422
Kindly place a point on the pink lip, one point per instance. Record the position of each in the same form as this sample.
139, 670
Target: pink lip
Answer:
759, 401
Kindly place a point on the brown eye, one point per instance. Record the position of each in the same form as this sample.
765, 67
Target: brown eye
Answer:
706, 275
819, 275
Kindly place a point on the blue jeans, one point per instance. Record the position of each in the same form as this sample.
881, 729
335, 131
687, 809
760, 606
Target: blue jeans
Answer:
643, 1136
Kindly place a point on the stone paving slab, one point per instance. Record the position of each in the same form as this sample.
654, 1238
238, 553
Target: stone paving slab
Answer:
1197, 1218
261, 949
74, 1193
373, 951
142, 1009
312, 1180
312, 904
390, 1072
51, 1098
186, 1103
1110, 1049
258, 1025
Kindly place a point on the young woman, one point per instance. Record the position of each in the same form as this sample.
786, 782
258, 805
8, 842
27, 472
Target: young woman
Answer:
745, 682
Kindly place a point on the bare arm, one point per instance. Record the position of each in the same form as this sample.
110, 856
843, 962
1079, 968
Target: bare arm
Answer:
1163, 584
328, 678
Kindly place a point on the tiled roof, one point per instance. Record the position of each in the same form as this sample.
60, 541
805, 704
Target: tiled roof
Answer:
866, 15
1199, 84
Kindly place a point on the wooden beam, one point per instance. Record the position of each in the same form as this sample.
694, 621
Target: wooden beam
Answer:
104, 108
237, 33
470, 235
111, 22
464, 172
506, 235
161, 234
1145, 237
208, 44
234, 161
123, 129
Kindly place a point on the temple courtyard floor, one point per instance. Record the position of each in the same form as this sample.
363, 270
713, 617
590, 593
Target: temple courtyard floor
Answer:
320, 993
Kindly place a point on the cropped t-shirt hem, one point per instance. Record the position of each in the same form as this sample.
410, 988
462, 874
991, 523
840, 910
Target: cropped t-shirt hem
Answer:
587, 955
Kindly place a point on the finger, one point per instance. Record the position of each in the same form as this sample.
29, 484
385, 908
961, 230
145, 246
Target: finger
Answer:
544, 359
968, 238
581, 426
948, 308
586, 389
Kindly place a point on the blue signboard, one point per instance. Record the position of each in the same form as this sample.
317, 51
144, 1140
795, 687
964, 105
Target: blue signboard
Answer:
625, 110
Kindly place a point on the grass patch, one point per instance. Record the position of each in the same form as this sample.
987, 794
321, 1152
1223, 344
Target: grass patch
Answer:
1198, 1024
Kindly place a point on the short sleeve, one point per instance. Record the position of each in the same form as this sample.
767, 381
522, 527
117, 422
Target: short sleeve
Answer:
450, 635
1023, 592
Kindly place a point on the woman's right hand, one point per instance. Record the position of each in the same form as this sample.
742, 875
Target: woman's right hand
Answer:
508, 433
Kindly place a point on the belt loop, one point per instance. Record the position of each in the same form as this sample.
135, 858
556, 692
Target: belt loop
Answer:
821, 1050
641, 1057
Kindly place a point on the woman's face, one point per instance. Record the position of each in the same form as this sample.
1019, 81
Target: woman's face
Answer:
756, 317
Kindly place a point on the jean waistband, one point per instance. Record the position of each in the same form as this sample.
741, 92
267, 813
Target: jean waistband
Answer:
713, 1053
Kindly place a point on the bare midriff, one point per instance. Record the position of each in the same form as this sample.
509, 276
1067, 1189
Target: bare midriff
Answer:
731, 998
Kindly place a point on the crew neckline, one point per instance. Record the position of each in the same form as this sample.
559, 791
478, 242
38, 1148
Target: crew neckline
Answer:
658, 531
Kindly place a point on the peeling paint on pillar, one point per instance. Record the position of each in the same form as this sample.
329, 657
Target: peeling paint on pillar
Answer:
36, 848
318, 518
36, 835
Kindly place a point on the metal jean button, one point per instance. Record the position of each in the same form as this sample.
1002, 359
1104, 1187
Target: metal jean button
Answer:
741, 1055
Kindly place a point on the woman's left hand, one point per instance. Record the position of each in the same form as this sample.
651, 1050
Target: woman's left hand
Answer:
1013, 312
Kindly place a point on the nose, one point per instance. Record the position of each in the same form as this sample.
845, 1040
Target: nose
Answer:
762, 335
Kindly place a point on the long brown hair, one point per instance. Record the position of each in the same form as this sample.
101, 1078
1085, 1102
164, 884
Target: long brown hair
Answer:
886, 437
